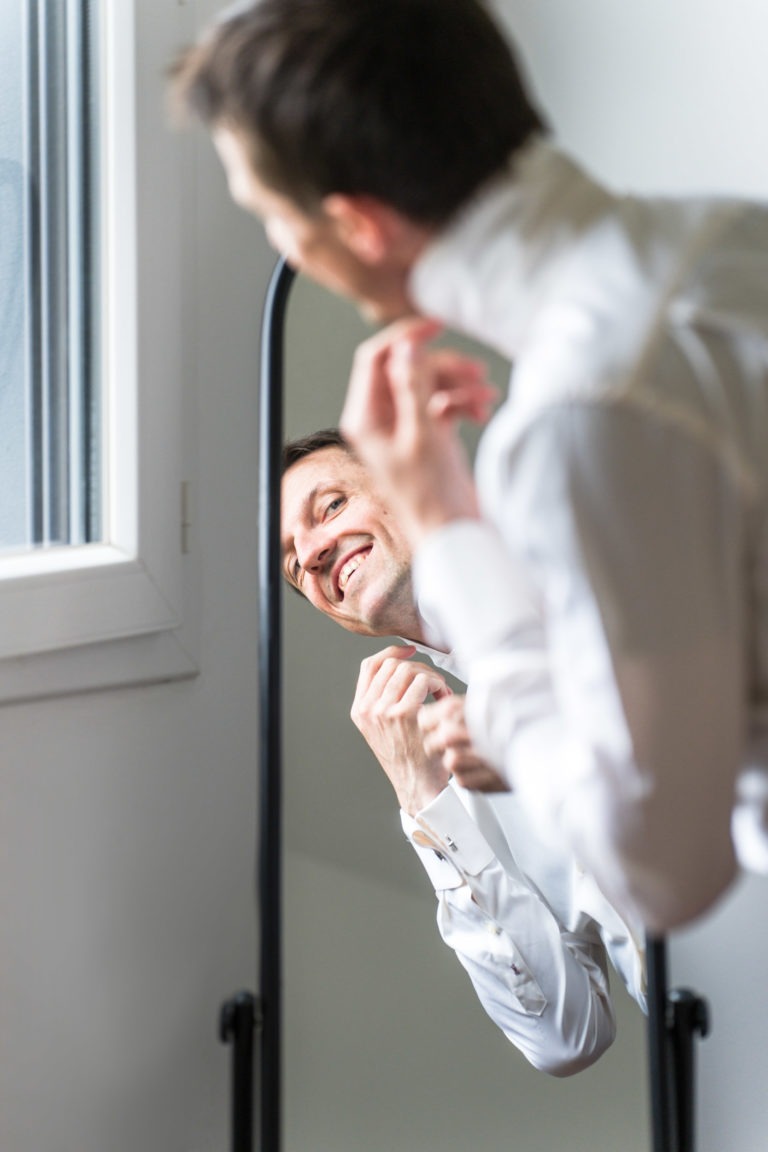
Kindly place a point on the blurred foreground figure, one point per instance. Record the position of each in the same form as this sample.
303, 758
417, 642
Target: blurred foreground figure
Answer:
604, 579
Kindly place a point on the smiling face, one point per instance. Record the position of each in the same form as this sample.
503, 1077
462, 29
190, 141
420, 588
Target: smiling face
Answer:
342, 549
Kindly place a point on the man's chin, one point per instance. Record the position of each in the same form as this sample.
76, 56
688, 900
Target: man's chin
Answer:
360, 628
364, 626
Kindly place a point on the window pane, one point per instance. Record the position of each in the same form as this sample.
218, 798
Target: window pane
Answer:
50, 457
13, 425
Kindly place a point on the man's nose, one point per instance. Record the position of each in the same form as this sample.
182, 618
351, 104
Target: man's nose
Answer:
314, 551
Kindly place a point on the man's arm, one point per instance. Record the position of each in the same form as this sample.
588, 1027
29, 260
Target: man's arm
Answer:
546, 988
613, 696
616, 711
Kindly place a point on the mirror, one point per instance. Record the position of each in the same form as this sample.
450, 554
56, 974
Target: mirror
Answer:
387, 1046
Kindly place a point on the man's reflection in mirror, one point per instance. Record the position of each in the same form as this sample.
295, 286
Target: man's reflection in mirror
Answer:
531, 928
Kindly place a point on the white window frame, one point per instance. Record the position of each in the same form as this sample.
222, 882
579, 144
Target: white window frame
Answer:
123, 611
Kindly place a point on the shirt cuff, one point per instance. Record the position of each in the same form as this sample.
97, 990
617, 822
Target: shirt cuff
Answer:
447, 840
470, 592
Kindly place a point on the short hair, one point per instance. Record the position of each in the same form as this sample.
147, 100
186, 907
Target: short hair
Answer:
414, 102
303, 446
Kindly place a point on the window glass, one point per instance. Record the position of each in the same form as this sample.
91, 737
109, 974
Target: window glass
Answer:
50, 456
13, 478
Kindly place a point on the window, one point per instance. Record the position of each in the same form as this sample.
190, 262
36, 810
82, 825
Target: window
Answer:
49, 282
95, 491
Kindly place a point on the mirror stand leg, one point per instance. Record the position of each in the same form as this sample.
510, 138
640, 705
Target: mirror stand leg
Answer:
674, 1019
658, 1053
687, 1016
239, 1017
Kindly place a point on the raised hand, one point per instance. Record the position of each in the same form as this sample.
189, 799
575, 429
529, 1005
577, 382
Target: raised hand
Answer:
403, 403
391, 690
445, 735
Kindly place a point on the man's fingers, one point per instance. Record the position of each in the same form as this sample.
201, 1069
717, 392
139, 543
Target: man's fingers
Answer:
471, 401
394, 679
446, 710
396, 373
477, 776
386, 675
418, 329
369, 405
427, 382
369, 667
413, 693
442, 739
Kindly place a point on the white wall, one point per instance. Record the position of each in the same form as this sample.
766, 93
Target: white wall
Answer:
127, 818
654, 96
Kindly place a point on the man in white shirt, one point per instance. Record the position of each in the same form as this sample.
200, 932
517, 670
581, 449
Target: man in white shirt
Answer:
531, 929
605, 580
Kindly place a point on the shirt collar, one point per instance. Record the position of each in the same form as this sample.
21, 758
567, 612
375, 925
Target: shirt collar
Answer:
488, 272
445, 660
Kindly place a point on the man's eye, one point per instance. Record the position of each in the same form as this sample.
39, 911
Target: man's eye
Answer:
335, 504
296, 571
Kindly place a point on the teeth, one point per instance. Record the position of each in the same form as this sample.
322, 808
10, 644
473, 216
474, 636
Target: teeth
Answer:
351, 566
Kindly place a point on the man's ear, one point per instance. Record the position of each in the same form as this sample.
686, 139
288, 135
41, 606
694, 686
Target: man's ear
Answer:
369, 228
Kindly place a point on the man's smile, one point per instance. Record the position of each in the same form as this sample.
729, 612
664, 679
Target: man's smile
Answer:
349, 567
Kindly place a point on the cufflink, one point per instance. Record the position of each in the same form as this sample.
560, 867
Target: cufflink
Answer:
425, 841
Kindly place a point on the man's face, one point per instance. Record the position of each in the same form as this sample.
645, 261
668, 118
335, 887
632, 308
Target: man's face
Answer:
314, 244
343, 550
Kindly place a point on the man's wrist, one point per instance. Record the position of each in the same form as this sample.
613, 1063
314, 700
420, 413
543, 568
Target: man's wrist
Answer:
418, 795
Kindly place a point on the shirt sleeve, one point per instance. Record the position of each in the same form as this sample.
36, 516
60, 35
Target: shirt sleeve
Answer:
546, 988
598, 613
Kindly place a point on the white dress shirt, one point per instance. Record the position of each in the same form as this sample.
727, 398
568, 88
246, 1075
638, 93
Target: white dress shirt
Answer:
531, 929
611, 607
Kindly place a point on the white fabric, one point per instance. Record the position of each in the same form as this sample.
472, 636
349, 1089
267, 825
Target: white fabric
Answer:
531, 929
611, 609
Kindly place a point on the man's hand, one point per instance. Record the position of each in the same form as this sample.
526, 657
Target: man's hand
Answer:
445, 734
391, 689
400, 415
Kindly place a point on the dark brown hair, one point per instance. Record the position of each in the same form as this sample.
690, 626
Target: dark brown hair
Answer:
414, 102
295, 450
